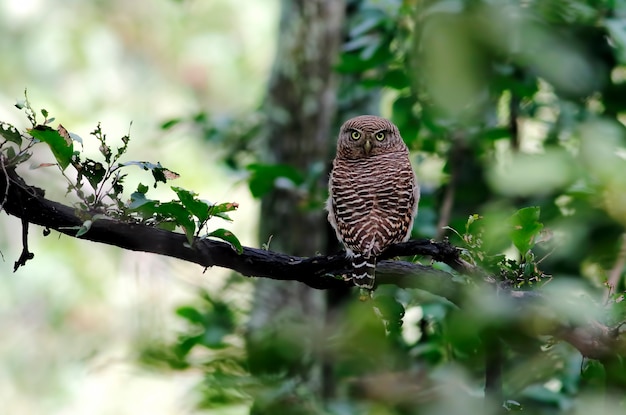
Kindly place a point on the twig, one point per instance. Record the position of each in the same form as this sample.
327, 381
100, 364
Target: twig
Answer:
26, 254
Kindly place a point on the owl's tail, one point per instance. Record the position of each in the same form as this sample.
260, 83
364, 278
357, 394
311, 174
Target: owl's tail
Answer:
364, 269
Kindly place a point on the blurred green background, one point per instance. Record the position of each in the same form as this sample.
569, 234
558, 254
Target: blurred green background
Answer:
513, 112
71, 321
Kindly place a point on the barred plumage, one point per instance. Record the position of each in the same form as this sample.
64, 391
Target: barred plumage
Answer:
373, 192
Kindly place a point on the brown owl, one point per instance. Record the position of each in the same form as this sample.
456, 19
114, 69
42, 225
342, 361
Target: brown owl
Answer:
373, 192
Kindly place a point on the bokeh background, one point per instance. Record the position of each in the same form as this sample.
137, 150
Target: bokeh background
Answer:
72, 318
514, 113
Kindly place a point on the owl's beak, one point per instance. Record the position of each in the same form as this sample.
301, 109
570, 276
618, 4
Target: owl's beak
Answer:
367, 147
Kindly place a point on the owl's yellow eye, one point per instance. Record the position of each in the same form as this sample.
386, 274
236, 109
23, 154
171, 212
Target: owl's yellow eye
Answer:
355, 135
380, 136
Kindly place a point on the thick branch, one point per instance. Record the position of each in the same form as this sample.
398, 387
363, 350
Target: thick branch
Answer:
322, 272
593, 340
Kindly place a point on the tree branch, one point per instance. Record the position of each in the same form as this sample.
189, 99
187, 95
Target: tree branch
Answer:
594, 340
319, 272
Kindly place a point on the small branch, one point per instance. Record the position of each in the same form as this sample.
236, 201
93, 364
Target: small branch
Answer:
26, 254
7, 183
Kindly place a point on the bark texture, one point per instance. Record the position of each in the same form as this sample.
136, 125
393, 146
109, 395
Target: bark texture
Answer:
300, 108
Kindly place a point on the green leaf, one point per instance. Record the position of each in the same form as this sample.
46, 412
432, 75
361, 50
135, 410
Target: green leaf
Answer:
593, 373
525, 226
185, 344
372, 57
21, 158
191, 314
160, 173
403, 117
396, 79
221, 209
61, 148
138, 199
229, 237
94, 171
511, 405
173, 210
10, 133
263, 177
390, 310
167, 226
196, 207
170, 123
84, 228
617, 30
177, 212
142, 188
494, 134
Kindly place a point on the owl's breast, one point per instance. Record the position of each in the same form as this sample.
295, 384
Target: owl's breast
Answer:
373, 200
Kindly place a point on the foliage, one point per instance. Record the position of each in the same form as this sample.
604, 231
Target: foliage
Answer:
521, 107
522, 104
104, 196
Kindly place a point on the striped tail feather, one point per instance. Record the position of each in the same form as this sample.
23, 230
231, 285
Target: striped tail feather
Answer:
364, 269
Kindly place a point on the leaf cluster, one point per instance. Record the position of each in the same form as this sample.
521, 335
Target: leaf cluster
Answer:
492, 92
99, 182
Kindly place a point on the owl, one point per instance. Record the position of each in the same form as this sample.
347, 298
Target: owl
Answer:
373, 192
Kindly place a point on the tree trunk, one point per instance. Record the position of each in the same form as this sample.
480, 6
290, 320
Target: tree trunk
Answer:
300, 106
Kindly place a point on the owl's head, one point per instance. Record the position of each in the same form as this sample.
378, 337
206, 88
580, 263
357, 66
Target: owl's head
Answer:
368, 135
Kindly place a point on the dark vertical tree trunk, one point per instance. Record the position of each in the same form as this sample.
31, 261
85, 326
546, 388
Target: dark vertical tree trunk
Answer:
287, 318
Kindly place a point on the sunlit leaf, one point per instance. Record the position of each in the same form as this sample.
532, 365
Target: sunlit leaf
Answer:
160, 173
526, 227
221, 209
138, 199
229, 237
10, 133
61, 148
195, 206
